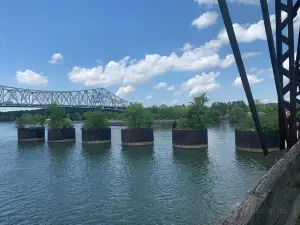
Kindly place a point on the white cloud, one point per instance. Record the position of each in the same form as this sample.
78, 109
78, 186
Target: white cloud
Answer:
265, 101
31, 78
251, 54
246, 32
174, 102
285, 80
256, 31
253, 79
171, 88
170, 103
124, 90
186, 47
257, 71
205, 20
126, 71
56, 58
161, 85
229, 59
149, 95
211, 2
200, 83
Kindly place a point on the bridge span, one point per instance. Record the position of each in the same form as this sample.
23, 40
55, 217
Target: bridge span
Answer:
92, 98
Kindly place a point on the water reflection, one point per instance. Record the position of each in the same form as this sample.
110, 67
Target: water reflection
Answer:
60, 151
30, 145
246, 159
138, 152
192, 163
190, 156
94, 151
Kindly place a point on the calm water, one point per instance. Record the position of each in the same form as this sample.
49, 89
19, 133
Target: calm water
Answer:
75, 184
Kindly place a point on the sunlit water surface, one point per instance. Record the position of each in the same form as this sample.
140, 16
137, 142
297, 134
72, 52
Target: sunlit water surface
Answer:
73, 183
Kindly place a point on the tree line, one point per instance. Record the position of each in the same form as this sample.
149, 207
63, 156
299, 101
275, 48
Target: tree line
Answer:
232, 111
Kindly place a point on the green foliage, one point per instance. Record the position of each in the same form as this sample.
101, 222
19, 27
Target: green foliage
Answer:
58, 118
137, 117
269, 122
237, 114
95, 120
197, 116
30, 121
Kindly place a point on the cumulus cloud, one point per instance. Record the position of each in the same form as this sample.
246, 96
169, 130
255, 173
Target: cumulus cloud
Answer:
170, 88
124, 90
205, 20
262, 71
161, 85
126, 71
266, 101
56, 58
201, 83
170, 103
186, 47
253, 79
149, 96
229, 59
31, 78
174, 102
256, 31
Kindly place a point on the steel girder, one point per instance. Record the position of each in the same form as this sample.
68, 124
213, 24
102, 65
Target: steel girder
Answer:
94, 98
241, 68
286, 11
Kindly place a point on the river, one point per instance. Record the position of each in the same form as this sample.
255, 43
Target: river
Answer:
78, 184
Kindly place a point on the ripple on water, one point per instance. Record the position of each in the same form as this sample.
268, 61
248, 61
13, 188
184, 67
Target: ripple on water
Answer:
72, 183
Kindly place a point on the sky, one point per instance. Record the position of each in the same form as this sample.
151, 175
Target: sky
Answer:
154, 52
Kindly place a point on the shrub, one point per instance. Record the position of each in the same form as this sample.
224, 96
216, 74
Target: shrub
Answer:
58, 118
137, 117
197, 116
30, 121
95, 120
269, 122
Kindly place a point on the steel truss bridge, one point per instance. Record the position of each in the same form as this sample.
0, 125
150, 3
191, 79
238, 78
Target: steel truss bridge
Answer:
93, 98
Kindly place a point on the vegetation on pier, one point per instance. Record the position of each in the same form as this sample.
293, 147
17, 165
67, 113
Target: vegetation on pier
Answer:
58, 118
95, 120
30, 121
198, 116
137, 117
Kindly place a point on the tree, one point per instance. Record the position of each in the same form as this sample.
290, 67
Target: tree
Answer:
137, 117
237, 114
58, 118
197, 115
95, 120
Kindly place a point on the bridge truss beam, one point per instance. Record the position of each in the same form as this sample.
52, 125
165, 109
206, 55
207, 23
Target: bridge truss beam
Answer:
93, 98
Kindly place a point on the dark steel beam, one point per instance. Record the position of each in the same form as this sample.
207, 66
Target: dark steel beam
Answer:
293, 90
242, 71
281, 109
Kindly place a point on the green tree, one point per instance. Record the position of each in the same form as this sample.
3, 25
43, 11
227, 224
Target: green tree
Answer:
95, 120
137, 117
58, 118
29, 121
197, 115
237, 114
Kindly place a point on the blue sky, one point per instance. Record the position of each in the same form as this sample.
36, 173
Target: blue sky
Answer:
129, 47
